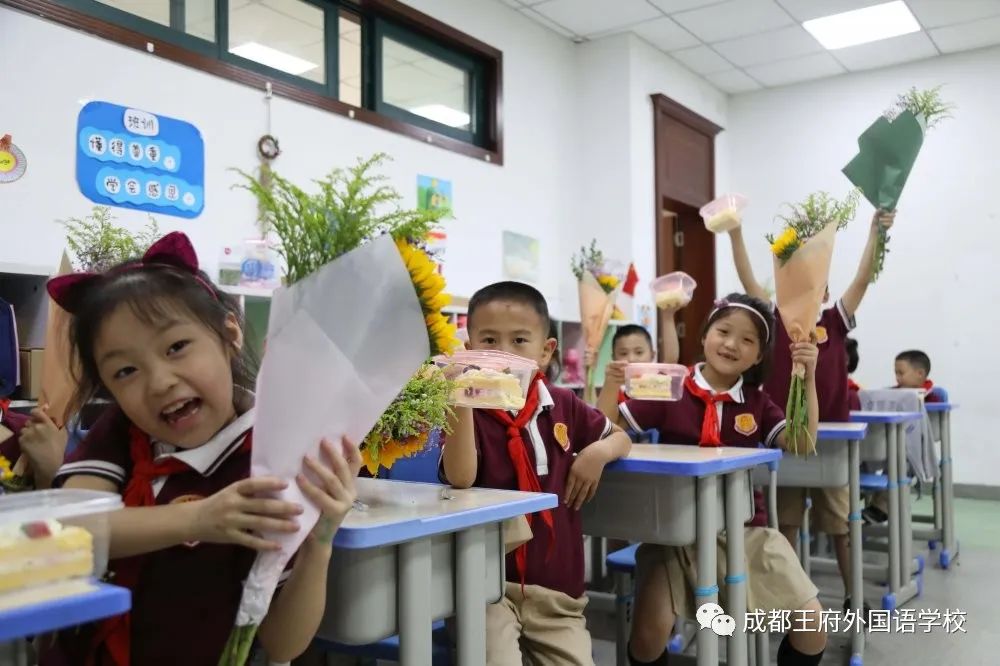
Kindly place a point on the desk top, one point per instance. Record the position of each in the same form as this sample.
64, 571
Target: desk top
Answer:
686, 460
885, 417
829, 430
401, 511
96, 603
937, 407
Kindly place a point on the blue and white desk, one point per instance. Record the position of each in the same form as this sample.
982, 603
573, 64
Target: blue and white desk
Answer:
670, 494
420, 552
944, 492
837, 463
890, 428
95, 601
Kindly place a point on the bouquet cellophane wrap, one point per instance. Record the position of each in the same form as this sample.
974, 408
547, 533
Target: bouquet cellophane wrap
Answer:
341, 345
800, 282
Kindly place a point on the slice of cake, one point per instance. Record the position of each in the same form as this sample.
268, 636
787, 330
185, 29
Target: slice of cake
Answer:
488, 389
671, 299
651, 386
723, 221
43, 552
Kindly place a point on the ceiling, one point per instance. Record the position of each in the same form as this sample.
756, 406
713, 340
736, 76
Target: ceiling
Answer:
744, 45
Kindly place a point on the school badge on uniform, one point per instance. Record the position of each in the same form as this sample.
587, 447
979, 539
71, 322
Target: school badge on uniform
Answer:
745, 424
561, 433
821, 335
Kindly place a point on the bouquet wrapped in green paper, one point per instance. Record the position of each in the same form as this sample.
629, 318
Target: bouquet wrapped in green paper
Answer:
888, 149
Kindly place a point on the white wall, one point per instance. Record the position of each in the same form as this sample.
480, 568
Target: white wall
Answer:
939, 291
532, 193
617, 75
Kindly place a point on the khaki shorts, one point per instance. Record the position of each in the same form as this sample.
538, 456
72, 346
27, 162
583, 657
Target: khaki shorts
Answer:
775, 579
541, 627
830, 508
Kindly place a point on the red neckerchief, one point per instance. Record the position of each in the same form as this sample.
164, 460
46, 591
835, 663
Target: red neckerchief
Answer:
621, 396
112, 642
527, 479
852, 385
710, 429
928, 385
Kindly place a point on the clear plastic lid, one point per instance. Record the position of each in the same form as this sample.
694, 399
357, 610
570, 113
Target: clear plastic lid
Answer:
461, 364
724, 213
673, 290
655, 381
56, 504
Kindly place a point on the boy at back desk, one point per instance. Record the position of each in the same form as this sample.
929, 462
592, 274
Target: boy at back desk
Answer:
556, 444
912, 369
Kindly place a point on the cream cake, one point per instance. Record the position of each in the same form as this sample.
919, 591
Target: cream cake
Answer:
723, 221
651, 386
489, 389
43, 551
671, 299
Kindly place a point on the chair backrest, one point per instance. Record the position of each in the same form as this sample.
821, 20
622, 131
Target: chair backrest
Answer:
919, 442
940, 393
9, 355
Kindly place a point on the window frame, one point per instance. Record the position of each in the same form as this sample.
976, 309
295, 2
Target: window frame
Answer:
377, 18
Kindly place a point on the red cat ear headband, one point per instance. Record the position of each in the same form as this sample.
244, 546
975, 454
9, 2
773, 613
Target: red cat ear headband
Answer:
174, 249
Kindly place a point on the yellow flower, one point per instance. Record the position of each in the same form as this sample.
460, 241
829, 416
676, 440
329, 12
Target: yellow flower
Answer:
429, 286
389, 451
609, 282
5, 471
789, 238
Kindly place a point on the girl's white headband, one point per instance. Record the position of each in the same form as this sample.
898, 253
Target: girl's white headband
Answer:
723, 304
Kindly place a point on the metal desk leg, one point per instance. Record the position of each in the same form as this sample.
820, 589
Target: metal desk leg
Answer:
772, 496
893, 473
707, 543
736, 578
905, 511
470, 595
950, 547
414, 602
623, 590
857, 591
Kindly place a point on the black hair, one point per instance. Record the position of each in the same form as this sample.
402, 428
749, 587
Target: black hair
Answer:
853, 358
514, 292
757, 374
153, 293
631, 329
917, 359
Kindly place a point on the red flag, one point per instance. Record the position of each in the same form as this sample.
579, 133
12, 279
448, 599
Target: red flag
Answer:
626, 298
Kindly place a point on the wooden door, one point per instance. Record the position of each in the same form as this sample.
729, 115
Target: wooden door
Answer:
685, 181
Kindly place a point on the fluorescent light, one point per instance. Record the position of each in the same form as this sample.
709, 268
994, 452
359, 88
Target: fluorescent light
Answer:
443, 114
265, 55
869, 24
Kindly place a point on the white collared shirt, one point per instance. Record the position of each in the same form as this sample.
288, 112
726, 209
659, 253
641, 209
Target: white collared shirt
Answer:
206, 458
735, 391
537, 443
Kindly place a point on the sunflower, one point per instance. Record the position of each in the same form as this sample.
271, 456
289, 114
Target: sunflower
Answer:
5, 471
430, 290
391, 450
608, 282
786, 243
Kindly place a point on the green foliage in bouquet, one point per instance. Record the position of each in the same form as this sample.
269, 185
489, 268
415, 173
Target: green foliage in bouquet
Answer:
352, 206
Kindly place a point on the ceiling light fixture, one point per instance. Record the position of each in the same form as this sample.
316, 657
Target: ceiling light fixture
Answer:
861, 26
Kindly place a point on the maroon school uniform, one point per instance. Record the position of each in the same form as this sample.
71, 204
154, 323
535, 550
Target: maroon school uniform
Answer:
831, 368
563, 426
853, 395
185, 603
750, 419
